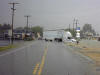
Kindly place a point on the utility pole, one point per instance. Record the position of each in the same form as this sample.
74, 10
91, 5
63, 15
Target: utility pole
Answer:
27, 17
69, 27
73, 24
76, 23
13, 10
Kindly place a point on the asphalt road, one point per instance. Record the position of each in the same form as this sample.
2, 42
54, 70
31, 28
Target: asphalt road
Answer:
4, 42
43, 58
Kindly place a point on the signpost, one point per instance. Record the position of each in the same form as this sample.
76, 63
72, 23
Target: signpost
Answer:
78, 32
78, 35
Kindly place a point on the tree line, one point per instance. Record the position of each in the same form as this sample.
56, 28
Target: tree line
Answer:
87, 28
36, 29
4, 27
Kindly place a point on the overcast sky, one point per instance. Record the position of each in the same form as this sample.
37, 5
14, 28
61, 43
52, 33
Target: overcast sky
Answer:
52, 14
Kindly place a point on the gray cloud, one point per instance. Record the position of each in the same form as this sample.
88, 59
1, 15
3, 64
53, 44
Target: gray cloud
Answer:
52, 13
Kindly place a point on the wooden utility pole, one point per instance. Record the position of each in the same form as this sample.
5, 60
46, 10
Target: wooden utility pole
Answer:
69, 27
76, 23
73, 24
13, 10
27, 17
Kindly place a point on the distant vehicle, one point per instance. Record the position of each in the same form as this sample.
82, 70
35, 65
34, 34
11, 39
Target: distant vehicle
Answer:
73, 40
67, 37
53, 35
58, 36
40, 38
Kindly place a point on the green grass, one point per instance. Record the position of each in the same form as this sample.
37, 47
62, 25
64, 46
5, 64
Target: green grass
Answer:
7, 47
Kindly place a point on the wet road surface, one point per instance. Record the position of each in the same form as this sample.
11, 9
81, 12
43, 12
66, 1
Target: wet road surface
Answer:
43, 58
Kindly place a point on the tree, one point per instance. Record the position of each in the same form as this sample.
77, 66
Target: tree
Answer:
37, 29
4, 27
87, 28
27, 28
20, 28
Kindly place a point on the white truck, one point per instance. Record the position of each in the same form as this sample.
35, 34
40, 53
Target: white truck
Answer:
53, 35
58, 35
67, 37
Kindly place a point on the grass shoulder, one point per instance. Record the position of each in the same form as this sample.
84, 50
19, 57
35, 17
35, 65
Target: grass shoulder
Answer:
16, 45
4, 48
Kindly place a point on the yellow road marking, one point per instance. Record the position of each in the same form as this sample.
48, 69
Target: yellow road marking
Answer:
42, 62
35, 69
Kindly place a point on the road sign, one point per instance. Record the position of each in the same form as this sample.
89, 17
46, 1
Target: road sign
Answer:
78, 29
78, 35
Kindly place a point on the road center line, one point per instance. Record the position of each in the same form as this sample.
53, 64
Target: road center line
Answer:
35, 69
43, 61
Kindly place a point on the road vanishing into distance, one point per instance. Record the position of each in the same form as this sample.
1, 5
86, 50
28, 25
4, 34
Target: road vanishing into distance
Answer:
43, 58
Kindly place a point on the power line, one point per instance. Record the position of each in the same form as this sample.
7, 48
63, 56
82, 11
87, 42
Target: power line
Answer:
13, 11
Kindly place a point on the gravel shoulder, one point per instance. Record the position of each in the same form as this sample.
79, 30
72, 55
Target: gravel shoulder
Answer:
89, 49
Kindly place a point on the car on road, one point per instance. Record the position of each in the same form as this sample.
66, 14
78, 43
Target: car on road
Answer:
73, 40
